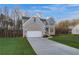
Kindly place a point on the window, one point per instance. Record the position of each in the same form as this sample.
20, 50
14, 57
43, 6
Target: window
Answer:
46, 29
51, 29
34, 19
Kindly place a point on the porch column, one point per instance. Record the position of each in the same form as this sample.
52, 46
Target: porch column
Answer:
53, 29
49, 30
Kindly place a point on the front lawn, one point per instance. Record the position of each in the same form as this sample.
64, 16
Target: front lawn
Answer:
70, 40
15, 46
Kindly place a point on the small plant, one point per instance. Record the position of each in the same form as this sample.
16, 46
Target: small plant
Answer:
45, 36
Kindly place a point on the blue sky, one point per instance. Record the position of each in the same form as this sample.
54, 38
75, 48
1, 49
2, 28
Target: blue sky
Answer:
57, 11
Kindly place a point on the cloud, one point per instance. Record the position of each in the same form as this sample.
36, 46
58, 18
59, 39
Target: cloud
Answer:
74, 14
70, 16
37, 11
53, 8
33, 12
49, 7
59, 12
72, 5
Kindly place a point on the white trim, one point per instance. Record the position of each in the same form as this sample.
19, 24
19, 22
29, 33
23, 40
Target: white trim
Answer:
27, 21
34, 34
31, 19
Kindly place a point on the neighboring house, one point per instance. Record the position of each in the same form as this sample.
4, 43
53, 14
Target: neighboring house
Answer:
70, 29
75, 30
38, 27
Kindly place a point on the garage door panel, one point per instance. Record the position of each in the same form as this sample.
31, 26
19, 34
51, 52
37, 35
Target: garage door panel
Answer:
34, 34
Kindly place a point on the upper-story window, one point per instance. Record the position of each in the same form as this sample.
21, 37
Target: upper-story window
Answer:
46, 29
34, 19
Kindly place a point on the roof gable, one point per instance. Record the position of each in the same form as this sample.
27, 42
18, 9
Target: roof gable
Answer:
33, 20
41, 19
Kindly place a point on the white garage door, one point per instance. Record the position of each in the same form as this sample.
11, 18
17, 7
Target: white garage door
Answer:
34, 34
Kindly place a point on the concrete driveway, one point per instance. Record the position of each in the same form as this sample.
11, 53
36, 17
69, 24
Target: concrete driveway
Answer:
43, 46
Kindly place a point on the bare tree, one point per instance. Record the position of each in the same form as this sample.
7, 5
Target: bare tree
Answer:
5, 11
16, 16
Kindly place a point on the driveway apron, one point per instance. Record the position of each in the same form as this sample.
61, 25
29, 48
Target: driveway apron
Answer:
43, 46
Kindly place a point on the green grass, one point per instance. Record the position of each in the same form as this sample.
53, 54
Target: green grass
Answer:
15, 46
70, 40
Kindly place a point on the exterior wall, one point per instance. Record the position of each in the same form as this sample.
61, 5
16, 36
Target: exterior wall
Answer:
75, 30
38, 25
24, 33
33, 25
51, 30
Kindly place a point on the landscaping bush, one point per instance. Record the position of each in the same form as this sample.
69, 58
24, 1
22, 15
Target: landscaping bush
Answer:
45, 36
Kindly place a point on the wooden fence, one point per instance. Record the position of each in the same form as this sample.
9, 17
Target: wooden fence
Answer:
11, 33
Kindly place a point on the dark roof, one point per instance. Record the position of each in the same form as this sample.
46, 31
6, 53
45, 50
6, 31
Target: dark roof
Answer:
25, 17
50, 20
42, 19
30, 17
